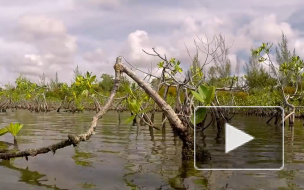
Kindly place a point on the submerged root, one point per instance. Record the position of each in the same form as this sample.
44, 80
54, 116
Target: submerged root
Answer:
202, 155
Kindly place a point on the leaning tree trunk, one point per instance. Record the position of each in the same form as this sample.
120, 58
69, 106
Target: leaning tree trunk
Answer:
179, 125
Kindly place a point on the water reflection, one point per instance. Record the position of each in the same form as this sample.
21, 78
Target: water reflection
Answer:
82, 158
130, 157
33, 178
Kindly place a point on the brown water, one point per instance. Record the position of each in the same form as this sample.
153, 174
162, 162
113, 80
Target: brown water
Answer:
127, 157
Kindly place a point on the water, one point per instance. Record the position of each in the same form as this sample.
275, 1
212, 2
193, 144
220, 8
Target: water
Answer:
264, 151
127, 157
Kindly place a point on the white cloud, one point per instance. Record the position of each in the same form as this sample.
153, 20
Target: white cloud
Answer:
41, 25
133, 49
267, 28
46, 47
299, 46
49, 36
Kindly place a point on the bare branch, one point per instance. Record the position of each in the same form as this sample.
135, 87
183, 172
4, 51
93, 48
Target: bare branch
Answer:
72, 139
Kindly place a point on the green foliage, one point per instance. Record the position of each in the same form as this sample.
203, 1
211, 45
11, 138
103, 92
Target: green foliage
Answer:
14, 129
291, 68
294, 67
130, 119
160, 64
256, 76
85, 82
195, 71
200, 115
107, 82
3, 131
173, 65
25, 87
134, 105
205, 96
265, 47
219, 75
135, 101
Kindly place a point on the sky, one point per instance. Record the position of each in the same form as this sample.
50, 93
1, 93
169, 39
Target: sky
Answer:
49, 36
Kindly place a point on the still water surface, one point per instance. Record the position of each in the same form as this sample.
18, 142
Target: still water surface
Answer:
128, 157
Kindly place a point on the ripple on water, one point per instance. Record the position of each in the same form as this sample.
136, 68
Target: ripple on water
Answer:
128, 157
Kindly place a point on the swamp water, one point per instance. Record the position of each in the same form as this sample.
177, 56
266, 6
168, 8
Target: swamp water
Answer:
128, 157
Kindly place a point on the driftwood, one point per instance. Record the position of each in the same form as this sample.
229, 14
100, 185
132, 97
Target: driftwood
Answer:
72, 139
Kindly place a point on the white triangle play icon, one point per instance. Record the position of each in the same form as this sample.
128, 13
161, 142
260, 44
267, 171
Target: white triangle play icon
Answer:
235, 138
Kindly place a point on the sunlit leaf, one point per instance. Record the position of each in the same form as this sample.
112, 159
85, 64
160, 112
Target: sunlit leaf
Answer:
197, 96
3, 131
210, 94
14, 129
160, 64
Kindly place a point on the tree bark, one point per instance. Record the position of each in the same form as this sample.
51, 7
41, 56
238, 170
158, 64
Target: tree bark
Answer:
179, 125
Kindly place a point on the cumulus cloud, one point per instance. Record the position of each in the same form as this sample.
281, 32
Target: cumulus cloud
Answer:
133, 49
33, 25
49, 36
47, 47
299, 46
267, 28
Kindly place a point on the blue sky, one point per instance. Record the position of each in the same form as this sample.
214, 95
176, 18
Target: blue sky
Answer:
44, 36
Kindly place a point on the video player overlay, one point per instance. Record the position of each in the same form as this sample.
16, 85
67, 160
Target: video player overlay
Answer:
240, 138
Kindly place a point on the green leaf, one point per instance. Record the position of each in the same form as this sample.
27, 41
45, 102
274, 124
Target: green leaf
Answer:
3, 131
200, 115
14, 129
85, 93
134, 106
137, 106
145, 110
210, 95
203, 91
197, 96
88, 74
92, 79
172, 60
129, 119
160, 64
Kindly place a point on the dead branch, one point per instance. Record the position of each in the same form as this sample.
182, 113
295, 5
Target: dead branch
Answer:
166, 108
72, 139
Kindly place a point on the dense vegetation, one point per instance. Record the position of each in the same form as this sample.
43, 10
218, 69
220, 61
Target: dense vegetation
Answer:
256, 85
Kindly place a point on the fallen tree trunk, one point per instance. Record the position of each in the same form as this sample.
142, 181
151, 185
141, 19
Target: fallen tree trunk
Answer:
179, 124
72, 139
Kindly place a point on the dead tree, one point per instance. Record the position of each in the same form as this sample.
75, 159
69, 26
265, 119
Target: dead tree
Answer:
179, 124
179, 118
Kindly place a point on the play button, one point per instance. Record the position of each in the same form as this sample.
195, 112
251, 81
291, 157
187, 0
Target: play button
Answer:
235, 138
252, 139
